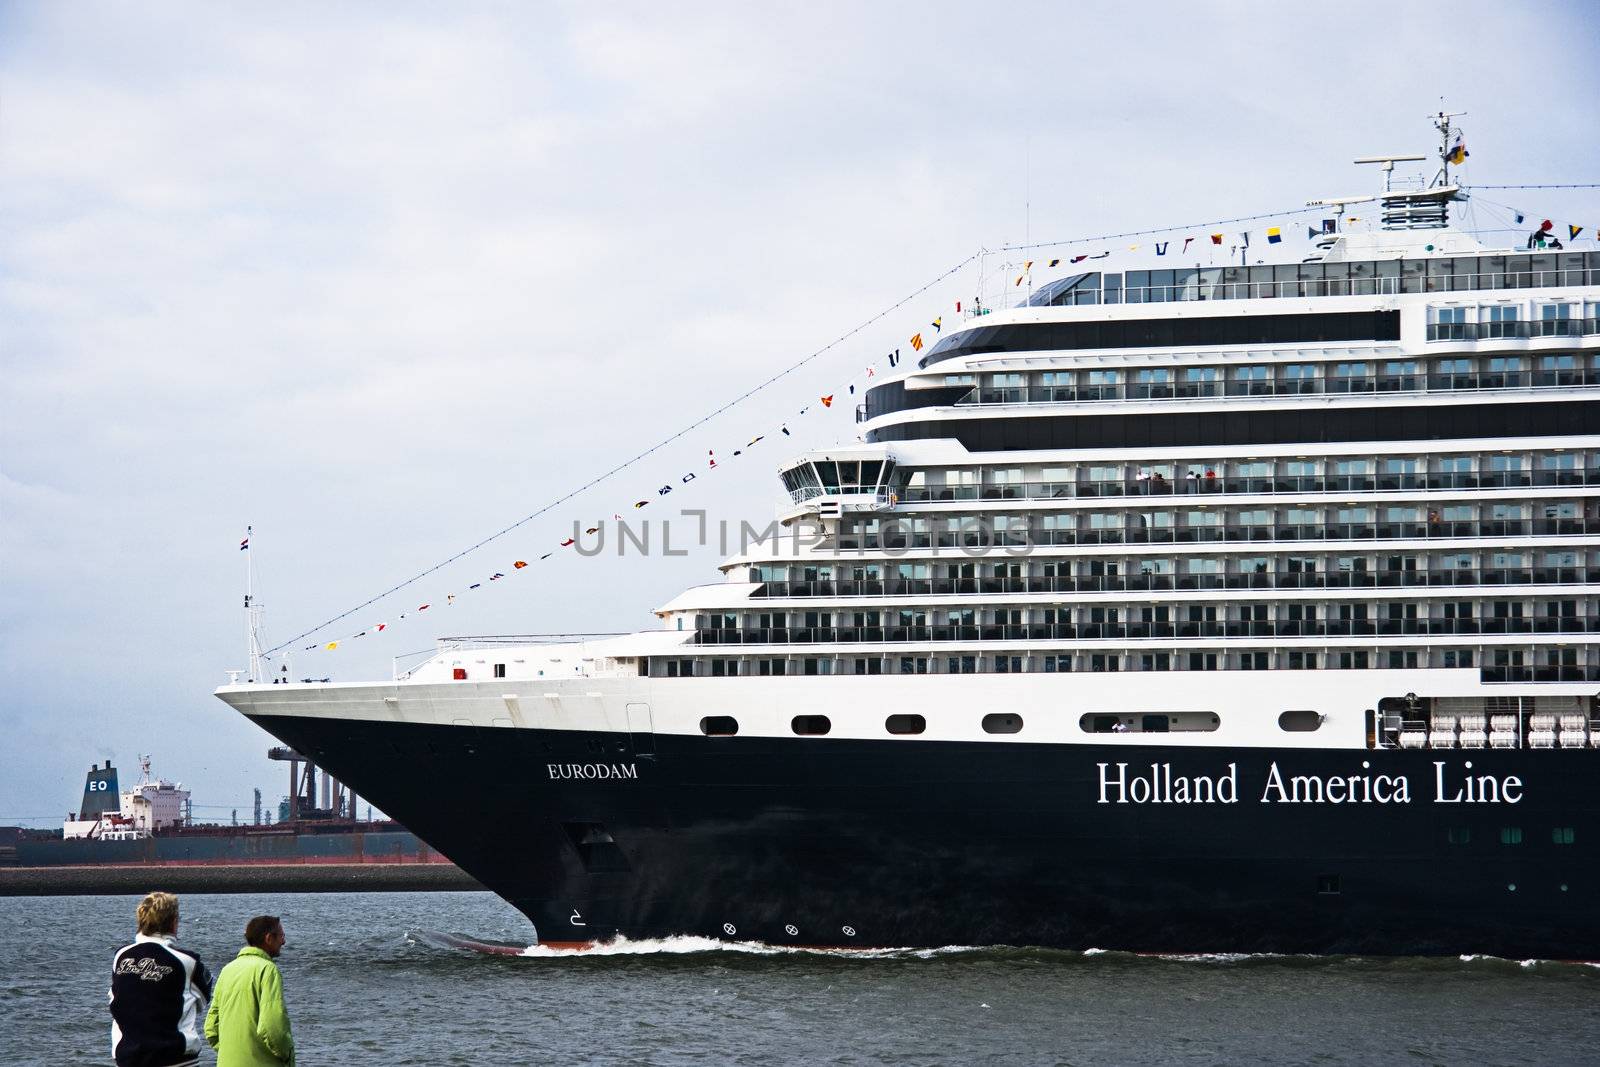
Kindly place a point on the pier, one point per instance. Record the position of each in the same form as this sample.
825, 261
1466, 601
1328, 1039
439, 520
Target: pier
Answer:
235, 878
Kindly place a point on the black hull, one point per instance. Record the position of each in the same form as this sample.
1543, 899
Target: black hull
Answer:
907, 843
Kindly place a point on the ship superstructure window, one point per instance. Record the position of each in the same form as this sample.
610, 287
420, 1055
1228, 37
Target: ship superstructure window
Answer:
902, 725
1511, 835
1452, 324
811, 725
719, 726
1554, 320
1562, 835
1501, 321
1103, 385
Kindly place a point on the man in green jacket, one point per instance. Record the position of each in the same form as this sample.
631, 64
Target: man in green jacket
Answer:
247, 1023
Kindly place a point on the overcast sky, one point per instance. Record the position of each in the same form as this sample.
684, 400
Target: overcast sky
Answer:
383, 279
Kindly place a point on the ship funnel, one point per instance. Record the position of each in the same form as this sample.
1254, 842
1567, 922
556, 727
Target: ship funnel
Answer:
99, 793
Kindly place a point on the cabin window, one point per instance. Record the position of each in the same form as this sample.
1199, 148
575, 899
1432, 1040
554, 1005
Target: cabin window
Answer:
1002, 723
1511, 835
499, 670
1458, 835
1328, 885
810, 725
905, 724
1299, 721
1561, 835
719, 726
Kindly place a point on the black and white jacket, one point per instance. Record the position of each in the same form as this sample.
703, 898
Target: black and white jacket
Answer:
159, 995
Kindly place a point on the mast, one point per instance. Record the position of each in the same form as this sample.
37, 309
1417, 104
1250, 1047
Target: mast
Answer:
252, 612
1441, 122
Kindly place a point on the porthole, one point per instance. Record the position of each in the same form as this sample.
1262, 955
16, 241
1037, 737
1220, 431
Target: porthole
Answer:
1300, 722
1002, 722
719, 726
810, 725
905, 724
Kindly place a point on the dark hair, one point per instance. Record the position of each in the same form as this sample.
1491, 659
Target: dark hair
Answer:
257, 929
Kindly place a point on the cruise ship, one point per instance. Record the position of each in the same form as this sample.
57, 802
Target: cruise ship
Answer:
1245, 608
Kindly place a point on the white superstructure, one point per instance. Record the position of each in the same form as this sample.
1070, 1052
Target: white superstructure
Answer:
151, 805
1347, 502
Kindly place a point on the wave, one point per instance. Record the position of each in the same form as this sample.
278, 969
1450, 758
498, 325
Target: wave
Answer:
691, 945
685, 945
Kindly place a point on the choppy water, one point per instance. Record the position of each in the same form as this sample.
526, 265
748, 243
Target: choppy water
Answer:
364, 989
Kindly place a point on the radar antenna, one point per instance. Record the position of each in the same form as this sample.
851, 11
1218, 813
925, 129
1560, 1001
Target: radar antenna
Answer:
1406, 205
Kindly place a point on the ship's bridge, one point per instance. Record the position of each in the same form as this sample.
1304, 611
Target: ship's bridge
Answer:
831, 481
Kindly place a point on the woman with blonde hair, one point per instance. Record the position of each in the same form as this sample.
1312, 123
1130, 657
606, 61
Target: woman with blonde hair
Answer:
159, 992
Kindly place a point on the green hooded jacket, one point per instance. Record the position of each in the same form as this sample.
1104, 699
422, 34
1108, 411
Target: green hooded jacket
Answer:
247, 1023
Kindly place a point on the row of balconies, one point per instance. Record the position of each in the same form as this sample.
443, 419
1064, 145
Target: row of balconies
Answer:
1103, 583
1513, 328
1128, 660
896, 538
1565, 624
1217, 484
1331, 385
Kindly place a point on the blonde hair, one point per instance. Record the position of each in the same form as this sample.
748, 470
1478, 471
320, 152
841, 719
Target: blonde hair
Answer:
158, 914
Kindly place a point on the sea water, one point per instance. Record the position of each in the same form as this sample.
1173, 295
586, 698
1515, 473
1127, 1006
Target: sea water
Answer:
369, 980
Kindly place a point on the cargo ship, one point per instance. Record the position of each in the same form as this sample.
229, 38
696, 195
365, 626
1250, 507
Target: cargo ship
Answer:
150, 824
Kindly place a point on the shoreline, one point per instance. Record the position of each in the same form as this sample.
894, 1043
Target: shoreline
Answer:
236, 878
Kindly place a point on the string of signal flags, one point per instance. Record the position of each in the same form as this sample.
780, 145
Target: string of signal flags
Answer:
1185, 236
